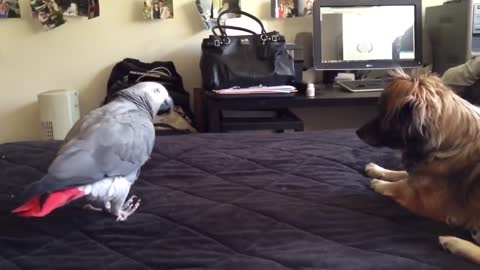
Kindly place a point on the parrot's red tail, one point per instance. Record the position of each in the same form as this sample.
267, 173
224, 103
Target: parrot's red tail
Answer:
35, 208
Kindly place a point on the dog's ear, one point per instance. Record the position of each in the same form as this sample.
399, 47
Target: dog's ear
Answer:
412, 122
413, 133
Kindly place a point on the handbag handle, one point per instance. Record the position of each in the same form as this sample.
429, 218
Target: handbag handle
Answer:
234, 28
240, 12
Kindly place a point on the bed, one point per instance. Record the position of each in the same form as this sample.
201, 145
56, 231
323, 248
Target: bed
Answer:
229, 201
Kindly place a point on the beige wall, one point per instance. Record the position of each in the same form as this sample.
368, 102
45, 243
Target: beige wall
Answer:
80, 54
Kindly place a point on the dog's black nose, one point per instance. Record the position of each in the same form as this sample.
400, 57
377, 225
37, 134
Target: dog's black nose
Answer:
369, 133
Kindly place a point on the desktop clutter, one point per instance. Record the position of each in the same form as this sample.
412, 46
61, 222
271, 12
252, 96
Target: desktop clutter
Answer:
261, 65
254, 63
260, 62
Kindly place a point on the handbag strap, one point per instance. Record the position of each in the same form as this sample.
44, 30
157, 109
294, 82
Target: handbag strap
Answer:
156, 72
240, 12
234, 28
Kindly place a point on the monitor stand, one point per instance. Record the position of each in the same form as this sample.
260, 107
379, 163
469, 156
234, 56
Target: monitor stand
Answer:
330, 75
366, 85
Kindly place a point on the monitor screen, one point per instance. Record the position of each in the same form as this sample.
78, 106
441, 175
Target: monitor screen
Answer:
362, 37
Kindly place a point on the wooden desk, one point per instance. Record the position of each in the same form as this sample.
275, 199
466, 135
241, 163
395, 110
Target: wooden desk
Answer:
210, 104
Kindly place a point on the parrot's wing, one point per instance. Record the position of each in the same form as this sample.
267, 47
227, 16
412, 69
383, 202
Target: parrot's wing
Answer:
84, 123
113, 145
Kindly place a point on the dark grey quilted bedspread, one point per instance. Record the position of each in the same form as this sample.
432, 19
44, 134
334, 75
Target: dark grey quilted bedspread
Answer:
229, 201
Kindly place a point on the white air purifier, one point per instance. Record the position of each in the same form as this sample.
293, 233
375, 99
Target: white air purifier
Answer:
59, 110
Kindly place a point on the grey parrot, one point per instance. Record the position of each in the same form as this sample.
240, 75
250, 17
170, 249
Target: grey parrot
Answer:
101, 156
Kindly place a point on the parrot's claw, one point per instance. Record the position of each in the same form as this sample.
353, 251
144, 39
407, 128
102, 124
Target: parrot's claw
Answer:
130, 206
129, 202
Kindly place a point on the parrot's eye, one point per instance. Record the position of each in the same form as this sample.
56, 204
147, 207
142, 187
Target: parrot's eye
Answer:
156, 90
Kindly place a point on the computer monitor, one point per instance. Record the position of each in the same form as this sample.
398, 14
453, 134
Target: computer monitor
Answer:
367, 34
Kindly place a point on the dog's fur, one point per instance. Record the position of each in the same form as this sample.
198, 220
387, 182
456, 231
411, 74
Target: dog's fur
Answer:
438, 134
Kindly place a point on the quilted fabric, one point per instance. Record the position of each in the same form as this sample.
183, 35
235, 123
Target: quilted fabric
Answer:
229, 201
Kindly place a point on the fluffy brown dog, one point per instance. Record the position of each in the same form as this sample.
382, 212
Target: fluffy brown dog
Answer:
438, 134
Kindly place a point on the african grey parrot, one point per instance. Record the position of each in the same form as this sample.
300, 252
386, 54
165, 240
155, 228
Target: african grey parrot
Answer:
102, 155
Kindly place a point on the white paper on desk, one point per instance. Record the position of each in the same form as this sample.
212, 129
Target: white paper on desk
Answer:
258, 90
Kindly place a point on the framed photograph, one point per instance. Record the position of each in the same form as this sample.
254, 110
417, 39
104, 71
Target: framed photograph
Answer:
48, 12
209, 10
9, 9
94, 9
80, 8
291, 8
158, 9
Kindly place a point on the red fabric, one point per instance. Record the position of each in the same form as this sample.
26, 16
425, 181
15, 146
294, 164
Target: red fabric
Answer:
34, 207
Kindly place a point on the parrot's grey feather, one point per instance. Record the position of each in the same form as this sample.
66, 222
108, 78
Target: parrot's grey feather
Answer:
142, 102
111, 141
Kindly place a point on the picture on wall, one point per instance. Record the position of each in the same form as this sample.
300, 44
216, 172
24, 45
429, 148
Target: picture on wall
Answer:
80, 8
158, 9
94, 9
291, 8
48, 12
9, 9
209, 10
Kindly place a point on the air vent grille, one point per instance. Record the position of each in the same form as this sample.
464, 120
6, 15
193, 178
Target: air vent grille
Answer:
47, 130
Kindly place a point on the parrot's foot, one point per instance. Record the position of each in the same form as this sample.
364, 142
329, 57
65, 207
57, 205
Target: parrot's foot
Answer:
130, 206
91, 207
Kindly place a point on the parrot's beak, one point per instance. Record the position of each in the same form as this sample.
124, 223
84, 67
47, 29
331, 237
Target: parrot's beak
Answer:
167, 106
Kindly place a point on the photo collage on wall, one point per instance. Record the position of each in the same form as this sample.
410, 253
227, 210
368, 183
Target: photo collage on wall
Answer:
158, 9
209, 10
52, 13
291, 8
9, 9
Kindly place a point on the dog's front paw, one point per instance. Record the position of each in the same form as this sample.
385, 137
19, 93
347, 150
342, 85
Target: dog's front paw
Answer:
374, 171
452, 244
460, 247
378, 185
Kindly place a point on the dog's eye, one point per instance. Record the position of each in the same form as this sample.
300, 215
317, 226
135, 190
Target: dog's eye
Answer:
156, 90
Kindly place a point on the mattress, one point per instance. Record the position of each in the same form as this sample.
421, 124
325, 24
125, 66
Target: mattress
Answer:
229, 201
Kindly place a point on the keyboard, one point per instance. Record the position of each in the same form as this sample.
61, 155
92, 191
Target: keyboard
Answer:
367, 85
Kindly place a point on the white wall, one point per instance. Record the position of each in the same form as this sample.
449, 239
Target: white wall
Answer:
80, 54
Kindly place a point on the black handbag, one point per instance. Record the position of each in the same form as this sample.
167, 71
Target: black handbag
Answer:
246, 60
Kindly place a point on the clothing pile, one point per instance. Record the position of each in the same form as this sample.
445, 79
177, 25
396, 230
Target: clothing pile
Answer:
131, 71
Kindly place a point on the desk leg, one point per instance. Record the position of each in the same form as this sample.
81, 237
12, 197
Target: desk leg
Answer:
214, 114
